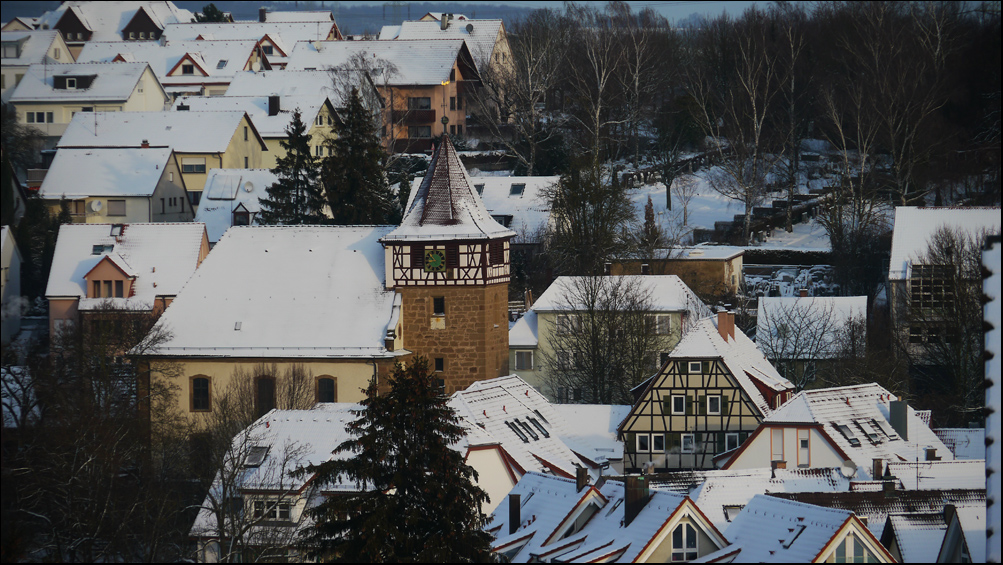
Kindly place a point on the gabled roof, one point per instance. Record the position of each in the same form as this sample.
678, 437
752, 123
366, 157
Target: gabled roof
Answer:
208, 56
914, 227
107, 19
918, 536
667, 293
518, 197
446, 206
300, 16
256, 108
113, 82
549, 504
938, 475
772, 530
480, 38
787, 311
225, 190
524, 333
287, 33
522, 421
185, 132
417, 62
964, 443
745, 362
286, 84
115, 172
592, 429
162, 257
34, 46
858, 408
286, 291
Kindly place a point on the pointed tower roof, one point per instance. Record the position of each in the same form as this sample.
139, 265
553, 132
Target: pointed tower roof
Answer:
446, 206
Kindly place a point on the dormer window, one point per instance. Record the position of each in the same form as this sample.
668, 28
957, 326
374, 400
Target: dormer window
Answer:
517, 189
267, 49
142, 35
71, 83
99, 249
187, 69
10, 51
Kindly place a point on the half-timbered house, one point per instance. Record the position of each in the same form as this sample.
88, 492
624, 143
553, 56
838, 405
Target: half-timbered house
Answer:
449, 260
709, 396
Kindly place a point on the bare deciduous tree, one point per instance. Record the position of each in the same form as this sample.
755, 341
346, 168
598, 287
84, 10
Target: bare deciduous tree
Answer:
794, 335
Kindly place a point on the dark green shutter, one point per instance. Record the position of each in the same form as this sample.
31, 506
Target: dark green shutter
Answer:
720, 442
673, 441
702, 405
724, 405
667, 405
630, 442
689, 405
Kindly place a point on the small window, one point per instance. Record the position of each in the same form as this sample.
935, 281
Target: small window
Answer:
643, 443
108, 289
327, 391
284, 511
264, 398
267, 49
517, 189
684, 543
440, 364
730, 511
688, 444
714, 404
731, 442
479, 188
452, 106
777, 444
256, 456
678, 404
523, 360
804, 451
439, 306
246, 164
566, 324
119, 289
658, 442
515, 429
201, 395
221, 63
187, 69
419, 103
71, 83
245, 139
142, 35
132, 35
116, 207
497, 252
694, 367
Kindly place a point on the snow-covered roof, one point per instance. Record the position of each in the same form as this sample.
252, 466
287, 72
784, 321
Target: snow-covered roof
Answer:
593, 429
286, 291
225, 191
778, 317
446, 205
217, 61
418, 62
666, 293
113, 82
547, 501
518, 197
915, 226
34, 44
256, 107
300, 16
285, 34
964, 443
185, 132
107, 19
856, 419
121, 171
740, 355
991, 261
721, 493
522, 421
772, 530
935, 475
162, 258
480, 35
524, 333
918, 536
286, 84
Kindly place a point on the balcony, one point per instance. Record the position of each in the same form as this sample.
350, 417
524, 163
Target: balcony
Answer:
418, 145
414, 117
35, 177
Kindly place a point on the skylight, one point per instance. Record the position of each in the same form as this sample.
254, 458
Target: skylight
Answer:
517, 189
221, 63
848, 434
255, 456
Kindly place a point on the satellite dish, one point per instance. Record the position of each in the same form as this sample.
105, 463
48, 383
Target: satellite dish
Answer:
248, 186
470, 28
96, 205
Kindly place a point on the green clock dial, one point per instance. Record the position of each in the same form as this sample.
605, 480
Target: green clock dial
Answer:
435, 260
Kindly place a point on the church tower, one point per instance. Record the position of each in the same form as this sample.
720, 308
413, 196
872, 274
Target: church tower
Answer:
449, 260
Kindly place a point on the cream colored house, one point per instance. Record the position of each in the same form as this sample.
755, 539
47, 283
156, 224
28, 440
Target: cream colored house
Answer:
534, 341
22, 49
82, 21
10, 286
200, 140
117, 185
48, 96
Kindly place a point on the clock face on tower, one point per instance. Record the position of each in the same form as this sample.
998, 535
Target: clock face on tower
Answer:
435, 260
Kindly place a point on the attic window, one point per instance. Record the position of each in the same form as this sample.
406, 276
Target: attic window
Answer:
479, 188
539, 426
869, 431
848, 434
187, 69
99, 249
221, 63
730, 511
528, 429
515, 429
517, 189
885, 429
71, 83
797, 532
255, 456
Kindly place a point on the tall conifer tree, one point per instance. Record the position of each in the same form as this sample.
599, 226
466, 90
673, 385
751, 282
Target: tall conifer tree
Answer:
298, 196
417, 502
354, 175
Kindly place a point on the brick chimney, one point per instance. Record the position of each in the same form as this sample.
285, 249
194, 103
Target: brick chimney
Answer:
637, 496
262, 14
726, 324
145, 144
581, 478
803, 293
514, 507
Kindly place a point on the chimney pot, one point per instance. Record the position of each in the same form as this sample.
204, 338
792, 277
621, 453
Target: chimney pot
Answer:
876, 465
514, 508
803, 293
262, 14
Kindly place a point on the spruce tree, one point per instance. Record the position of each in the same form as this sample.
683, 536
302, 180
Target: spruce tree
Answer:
297, 197
354, 175
417, 502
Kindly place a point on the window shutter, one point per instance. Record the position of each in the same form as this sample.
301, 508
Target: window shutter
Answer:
666, 406
629, 442
724, 405
702, 405
673, 441
689, 405
720, 443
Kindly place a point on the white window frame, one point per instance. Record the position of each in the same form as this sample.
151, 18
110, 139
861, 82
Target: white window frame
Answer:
676, 411
691, 440
691, 365
714, 412
685, 553
804, 447
657, 439
71, 83
661, 324
773, 444
731, 439
645, 445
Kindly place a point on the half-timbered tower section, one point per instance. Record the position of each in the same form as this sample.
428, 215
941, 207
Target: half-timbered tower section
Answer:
449, 260
710, 395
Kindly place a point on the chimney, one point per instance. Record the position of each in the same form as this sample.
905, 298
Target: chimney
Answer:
528, 299
803, 293
444, 22
645, 269
774, 465
145, 144
514, 506
931, 454
183, 107
726, 324
581, 478
876, 465
262, 14
897, 416
731, 324
888, 488
273, 105
637, 497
